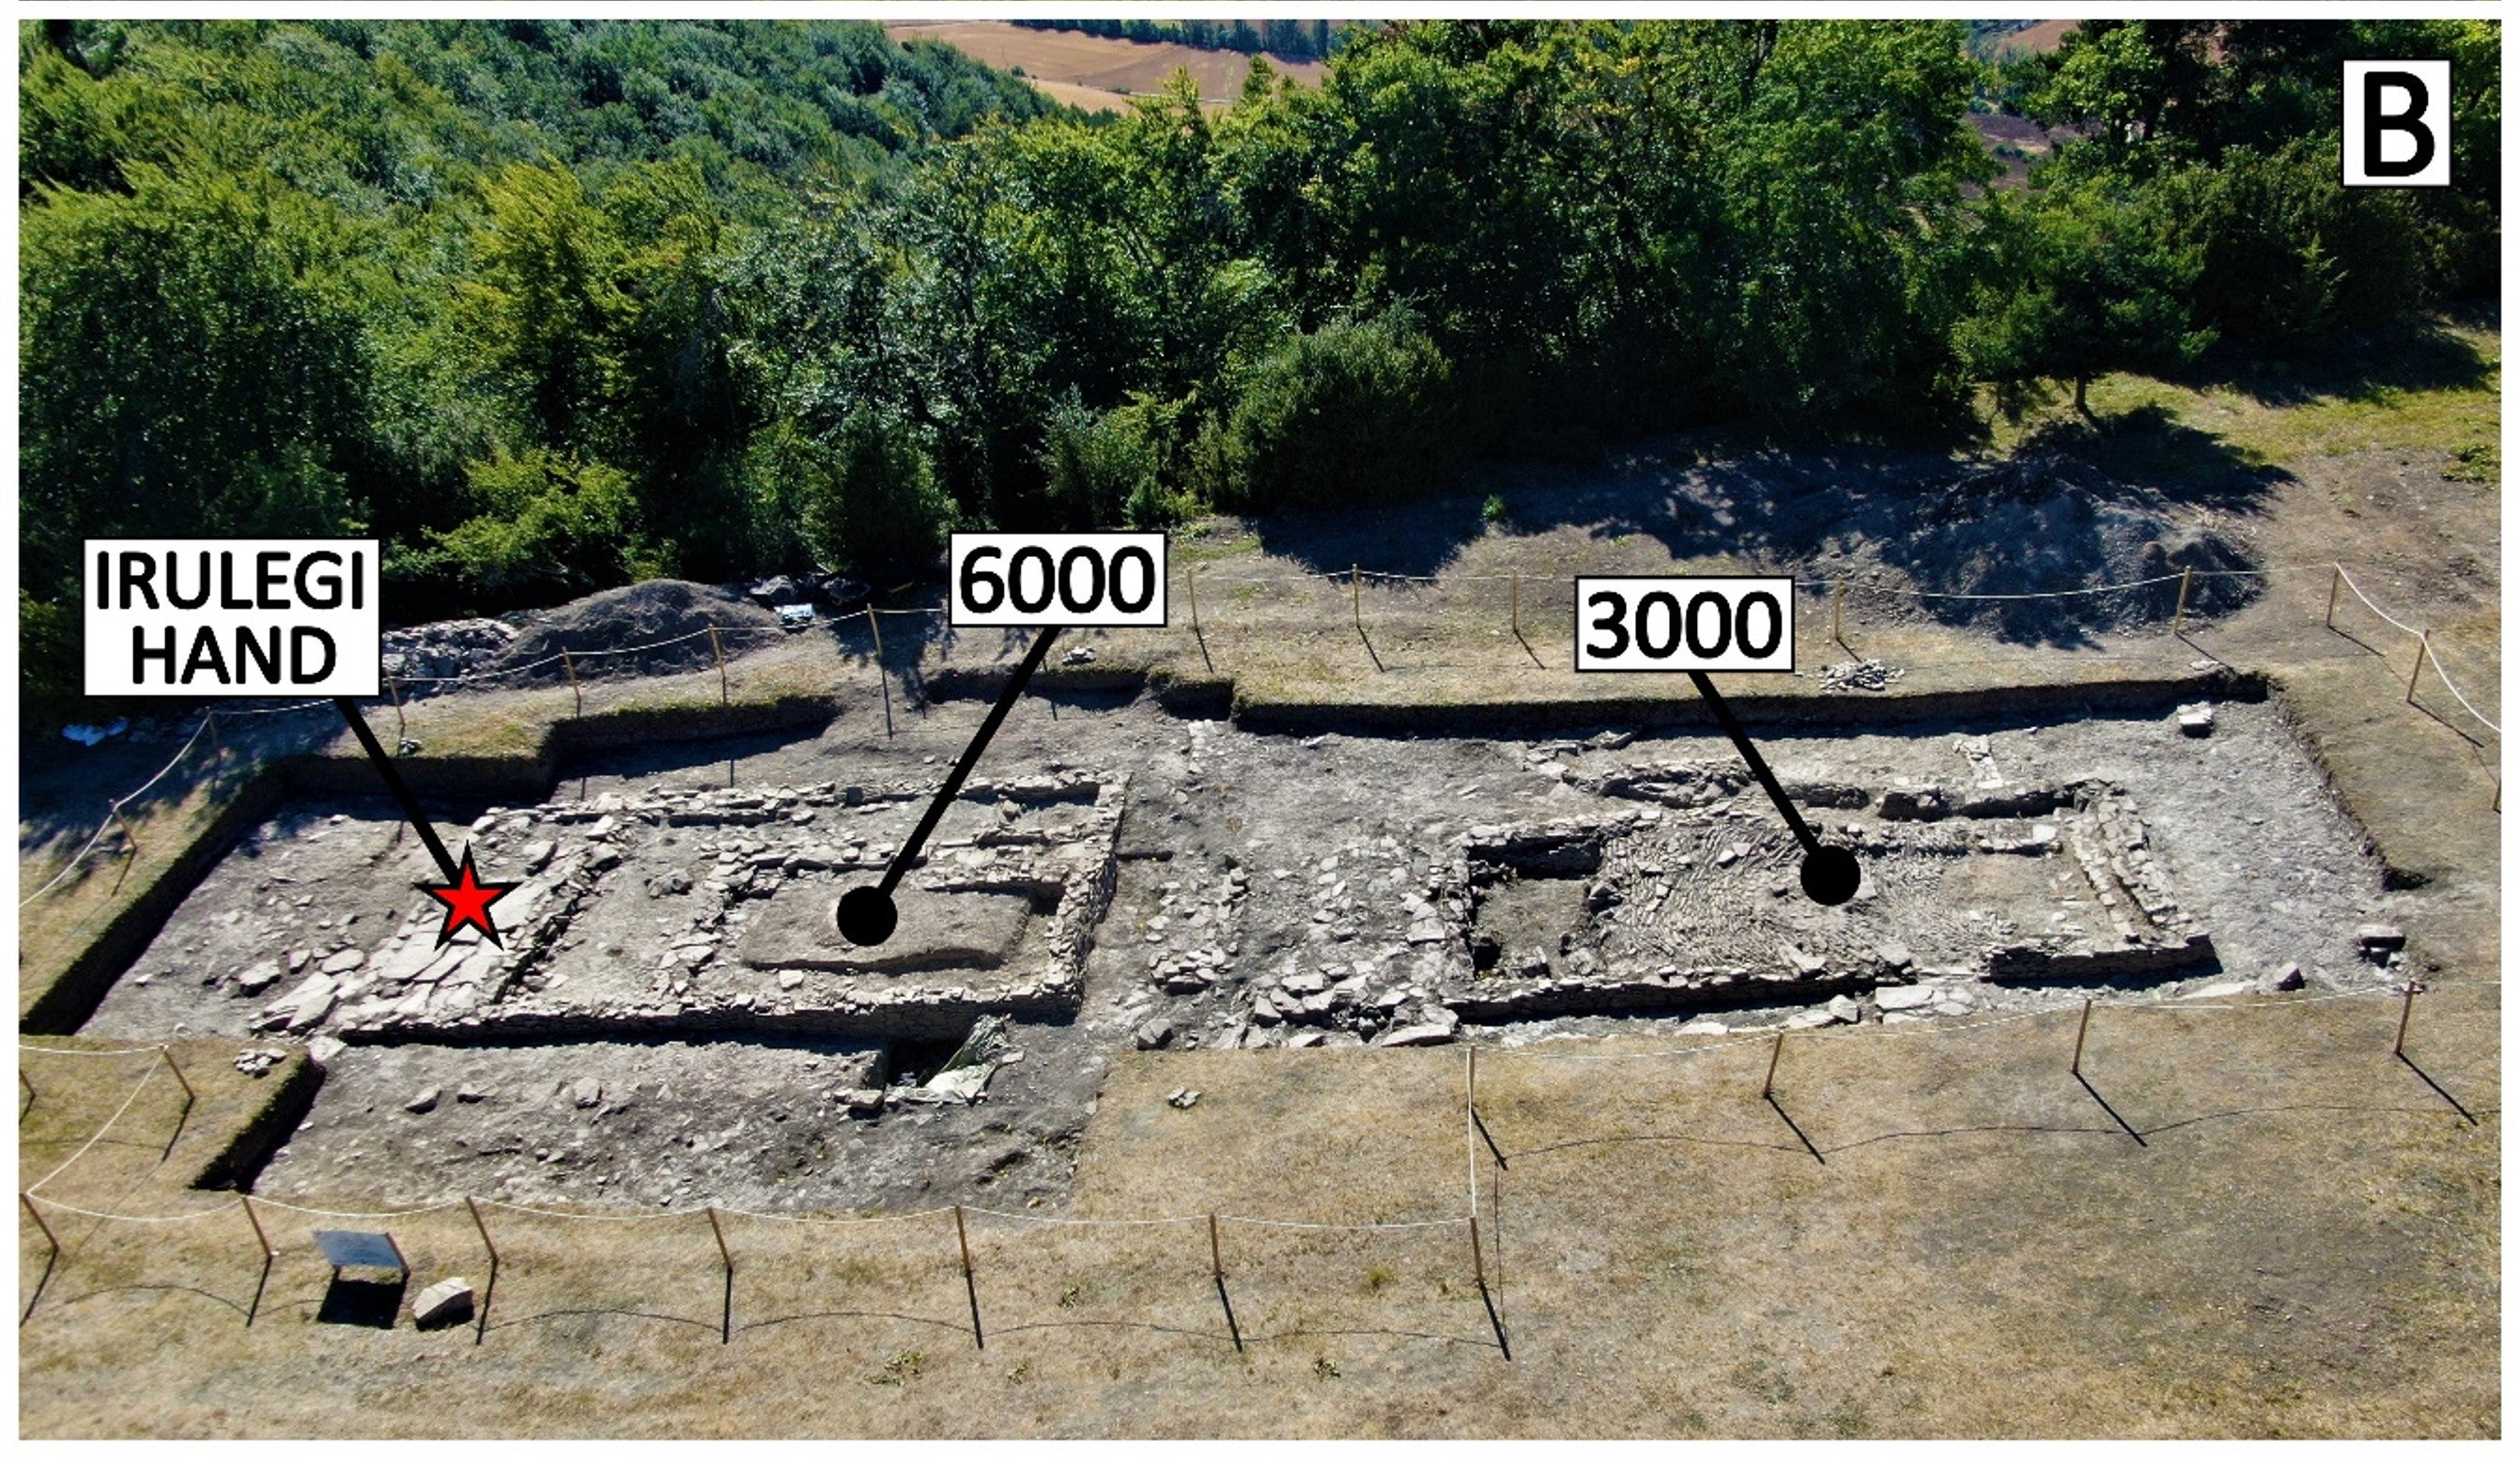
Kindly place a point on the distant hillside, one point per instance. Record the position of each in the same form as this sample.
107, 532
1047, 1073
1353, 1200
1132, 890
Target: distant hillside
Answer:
1994, 40
1280, 40
1097, 72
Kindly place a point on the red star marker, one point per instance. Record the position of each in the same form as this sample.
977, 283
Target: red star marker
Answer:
468, 902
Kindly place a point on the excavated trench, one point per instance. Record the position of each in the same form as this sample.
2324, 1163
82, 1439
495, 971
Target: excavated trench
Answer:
673, 1020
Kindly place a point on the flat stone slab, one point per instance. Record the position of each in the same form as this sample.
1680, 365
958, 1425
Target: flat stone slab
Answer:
794, 929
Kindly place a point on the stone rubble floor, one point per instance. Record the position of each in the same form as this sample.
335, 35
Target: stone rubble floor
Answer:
669, 1025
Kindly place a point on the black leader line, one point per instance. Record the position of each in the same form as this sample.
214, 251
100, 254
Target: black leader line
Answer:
953, 786
401, 793
1758, 767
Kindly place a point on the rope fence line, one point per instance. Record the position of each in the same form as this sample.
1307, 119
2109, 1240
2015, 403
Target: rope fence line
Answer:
1963, 1025
1760, 1036
1838, 588
115, 1118
36, 1048
2424, 643
1485, 1272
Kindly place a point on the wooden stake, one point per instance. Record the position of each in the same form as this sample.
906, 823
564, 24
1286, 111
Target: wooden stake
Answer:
1487, 1298
971, 1285
40, 1223
2179, 614
1767, 1085
1838, 612
401, 731
482, 1322
881, 682
1216, 1267
270, 1253
1355, 596
2079, 1032
177, 1069
726, 1321
2423, 647
1517, 605
717, 651
574, 688
480, 1225
1191, 576
719, 1232
260, 1237
2334, 583
130, 836
2406, 1014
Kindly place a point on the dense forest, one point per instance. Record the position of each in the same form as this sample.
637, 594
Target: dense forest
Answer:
552, 305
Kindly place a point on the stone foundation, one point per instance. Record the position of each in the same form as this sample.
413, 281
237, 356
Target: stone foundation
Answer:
675, 912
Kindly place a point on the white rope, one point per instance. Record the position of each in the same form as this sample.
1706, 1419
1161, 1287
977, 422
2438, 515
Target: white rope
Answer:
2442, 669
839, 1220
580, 1215
2356, 589
2252, 1005
146, 1075
111, 1215
1765, 1036
1049, 1220
1344, 1226
37, 1048
73, 865
115, 807
2106, 587
2434, 654
267, 1202
299, 709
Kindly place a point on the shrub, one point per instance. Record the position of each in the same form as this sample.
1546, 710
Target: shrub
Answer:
870, 502
548, 527
1355, 413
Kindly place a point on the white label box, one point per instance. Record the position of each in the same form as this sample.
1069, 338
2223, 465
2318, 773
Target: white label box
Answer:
233, 617
1056, 579
2396, 124
1670, 625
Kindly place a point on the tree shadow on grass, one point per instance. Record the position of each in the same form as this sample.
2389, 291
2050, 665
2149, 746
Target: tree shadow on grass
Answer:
2077, 506
2146, 447
1414, 538
2411, 357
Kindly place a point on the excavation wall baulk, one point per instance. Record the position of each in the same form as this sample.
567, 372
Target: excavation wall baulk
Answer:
1691, 901
681, 912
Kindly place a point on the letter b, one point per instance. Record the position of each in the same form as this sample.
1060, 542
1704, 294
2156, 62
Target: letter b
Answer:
2396, 119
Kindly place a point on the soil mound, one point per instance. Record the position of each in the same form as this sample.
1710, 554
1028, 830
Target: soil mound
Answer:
665, 622
2052, 524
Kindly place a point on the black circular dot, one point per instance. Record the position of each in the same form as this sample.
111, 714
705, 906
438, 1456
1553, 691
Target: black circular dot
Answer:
1830, 876
867, 915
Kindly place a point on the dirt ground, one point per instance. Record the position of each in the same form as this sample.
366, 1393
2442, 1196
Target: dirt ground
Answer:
2249, 1221
1978, 1246
2261, 854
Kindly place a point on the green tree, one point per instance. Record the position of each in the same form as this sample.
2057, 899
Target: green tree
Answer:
1355, 413
193, 362
871, 504
2078, 284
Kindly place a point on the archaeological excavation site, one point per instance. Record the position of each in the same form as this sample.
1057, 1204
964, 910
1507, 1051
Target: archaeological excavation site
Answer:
672, 1020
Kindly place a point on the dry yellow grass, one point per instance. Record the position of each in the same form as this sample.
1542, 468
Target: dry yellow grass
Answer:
1097, 72
2305, 1244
